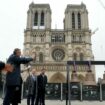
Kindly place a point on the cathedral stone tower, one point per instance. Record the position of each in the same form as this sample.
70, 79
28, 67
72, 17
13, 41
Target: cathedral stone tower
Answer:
39, 16
54, 47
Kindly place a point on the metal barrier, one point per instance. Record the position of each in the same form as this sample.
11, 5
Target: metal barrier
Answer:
90, 93
58, 91
103, 92
53, 91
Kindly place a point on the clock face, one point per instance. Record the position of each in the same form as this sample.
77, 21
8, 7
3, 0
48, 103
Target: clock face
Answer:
58, 54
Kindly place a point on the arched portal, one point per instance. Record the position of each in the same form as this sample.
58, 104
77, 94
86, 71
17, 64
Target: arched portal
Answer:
57, 78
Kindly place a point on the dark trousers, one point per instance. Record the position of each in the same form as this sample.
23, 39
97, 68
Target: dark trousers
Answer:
40, 100
10, 90
30, 99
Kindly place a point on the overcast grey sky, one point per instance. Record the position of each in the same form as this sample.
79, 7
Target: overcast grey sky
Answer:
13, 15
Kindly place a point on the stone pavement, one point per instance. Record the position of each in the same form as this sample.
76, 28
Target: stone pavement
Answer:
57, 102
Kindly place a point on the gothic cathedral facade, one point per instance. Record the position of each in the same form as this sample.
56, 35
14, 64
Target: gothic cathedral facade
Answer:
54, 47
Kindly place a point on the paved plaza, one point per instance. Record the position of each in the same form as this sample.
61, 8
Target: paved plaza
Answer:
57, 102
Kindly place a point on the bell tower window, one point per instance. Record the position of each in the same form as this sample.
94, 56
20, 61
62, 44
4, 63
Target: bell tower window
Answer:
73, 20
42, 19
79, 21
36, 19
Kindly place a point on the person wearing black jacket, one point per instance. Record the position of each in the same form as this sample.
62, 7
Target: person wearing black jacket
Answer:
42, 81
13, 79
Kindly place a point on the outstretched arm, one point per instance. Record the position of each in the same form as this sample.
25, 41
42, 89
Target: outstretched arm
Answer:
21, 60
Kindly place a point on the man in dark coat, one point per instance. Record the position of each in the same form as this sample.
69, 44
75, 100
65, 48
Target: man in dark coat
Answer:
42, 81
31, 84
13, 79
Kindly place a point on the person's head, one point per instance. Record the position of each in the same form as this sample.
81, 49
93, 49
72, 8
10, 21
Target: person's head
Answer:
43, 71
33, 71
17, 52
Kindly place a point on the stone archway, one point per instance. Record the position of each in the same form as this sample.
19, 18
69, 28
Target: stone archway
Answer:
57, 78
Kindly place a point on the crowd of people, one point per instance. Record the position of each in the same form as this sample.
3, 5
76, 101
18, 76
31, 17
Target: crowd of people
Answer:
35, 84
